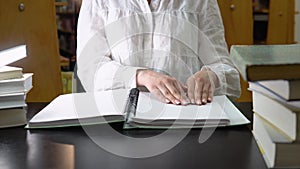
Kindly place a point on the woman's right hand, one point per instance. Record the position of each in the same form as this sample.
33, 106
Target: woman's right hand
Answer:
165, 88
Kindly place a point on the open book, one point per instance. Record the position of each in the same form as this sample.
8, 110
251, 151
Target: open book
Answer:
109, 106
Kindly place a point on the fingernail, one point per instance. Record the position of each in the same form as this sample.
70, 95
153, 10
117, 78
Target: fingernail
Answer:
188, 102
199, 102
167, 101
185, 102
209, 99
203, 101
193, 101
177, 102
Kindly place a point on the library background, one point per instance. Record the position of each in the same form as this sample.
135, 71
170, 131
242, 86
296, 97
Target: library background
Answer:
40, 36
51, 35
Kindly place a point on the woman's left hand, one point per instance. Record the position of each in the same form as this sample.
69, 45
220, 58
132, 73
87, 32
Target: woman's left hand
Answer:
201, 86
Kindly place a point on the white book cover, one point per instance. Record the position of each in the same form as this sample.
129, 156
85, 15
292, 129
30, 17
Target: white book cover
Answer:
277, 114
293, 105
278, 150
287, 89
12, 100
23, 84
11, 55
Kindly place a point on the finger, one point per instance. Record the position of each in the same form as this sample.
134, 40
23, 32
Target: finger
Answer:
205, 93
167, 94
183, 98
157, 93
191, 90
175, 91
184, 87
211, 93
198, 92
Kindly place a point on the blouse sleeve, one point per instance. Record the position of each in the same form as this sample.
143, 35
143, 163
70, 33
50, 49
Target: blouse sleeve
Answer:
218, 60
95, 67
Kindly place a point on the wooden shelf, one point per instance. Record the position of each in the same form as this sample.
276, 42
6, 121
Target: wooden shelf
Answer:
262, 11
66, 31
61, 3
69, 14
64, 62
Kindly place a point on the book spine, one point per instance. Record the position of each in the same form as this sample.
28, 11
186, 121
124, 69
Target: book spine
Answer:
238, 61
294, 92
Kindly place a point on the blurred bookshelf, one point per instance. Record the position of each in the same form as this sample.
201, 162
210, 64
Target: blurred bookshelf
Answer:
67, 12
273, 21
260, 18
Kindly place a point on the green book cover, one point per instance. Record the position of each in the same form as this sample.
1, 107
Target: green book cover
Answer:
267, 62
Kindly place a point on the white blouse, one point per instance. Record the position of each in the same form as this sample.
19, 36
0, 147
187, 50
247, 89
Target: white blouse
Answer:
177, 37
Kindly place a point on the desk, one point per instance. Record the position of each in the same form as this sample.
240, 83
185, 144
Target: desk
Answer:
230, 147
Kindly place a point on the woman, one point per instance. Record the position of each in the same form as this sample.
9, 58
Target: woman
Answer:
174, 48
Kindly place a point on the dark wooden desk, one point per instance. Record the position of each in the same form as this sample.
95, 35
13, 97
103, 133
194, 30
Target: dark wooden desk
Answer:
230, 147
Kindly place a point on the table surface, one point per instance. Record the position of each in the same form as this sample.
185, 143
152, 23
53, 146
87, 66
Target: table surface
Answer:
229, 147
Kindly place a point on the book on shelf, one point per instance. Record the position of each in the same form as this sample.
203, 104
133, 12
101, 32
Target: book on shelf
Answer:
267, 62
10, 72
109, 106
12, 117
11, 55
282, 117
19, 85
278, 150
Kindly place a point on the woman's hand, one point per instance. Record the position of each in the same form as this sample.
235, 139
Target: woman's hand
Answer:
165, 88
201, 86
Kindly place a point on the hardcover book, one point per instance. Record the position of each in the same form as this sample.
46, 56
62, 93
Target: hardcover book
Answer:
11, 55
277, 150
111, 106
282, 117
293, 105
267, 62
12, 100
23, 84
12, 117
287, 89
9, 72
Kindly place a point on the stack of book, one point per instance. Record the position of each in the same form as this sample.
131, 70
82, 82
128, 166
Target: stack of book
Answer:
273, 72
14, 85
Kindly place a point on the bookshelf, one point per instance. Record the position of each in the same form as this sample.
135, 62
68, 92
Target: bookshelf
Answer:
67, 12
274, 21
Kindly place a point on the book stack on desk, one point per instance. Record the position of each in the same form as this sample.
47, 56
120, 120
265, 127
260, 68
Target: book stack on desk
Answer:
14, 85
273, 72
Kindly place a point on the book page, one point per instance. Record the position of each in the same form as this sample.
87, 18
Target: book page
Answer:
10, 69
149, 108
83, 105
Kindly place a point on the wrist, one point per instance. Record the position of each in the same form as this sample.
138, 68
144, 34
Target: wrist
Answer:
140, 77
212, 75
